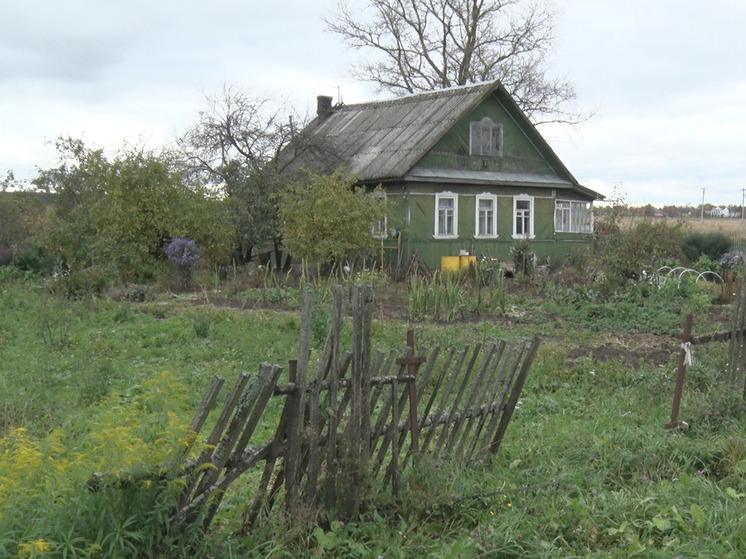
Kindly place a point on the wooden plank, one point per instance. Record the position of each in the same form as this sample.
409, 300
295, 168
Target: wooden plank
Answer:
269, 468
495, 384
268, 376
512, 361
365, 408
406, 426
443, 401
207, 403
515, 394
454, 405
330, 489
383, 413
479, 400
295, 423
231, 436
190, 510
477, 383
266, 380
214, 437
390, 430
393, 469
315, 423
422, 383
358, 427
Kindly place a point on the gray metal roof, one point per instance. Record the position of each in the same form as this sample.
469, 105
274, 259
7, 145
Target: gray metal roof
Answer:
384, 139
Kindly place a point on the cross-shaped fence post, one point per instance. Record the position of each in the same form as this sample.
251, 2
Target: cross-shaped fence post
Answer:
413, 363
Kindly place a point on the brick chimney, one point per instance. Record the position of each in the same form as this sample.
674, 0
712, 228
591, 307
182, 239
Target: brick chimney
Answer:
323, 106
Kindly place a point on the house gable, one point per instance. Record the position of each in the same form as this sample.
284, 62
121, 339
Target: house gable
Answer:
519, 154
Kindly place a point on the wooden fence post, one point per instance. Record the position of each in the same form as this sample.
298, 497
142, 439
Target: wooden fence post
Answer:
358, 428
686, 339
299, 369
413, 363
736, 349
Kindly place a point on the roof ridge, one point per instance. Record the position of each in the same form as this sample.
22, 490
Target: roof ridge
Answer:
414, 97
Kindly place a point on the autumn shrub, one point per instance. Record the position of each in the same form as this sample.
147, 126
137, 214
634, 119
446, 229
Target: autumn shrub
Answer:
625, 252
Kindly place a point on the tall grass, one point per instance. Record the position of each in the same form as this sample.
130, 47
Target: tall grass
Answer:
449, 295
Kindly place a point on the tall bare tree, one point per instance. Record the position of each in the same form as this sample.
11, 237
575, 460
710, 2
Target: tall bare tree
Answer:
422, 45
233, 147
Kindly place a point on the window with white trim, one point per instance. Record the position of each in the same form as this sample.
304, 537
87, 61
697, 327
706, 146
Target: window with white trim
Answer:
523, 217
572, 216
446, 212
379, 228
485, 137
486, 216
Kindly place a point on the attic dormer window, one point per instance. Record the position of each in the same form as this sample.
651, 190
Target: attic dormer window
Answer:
485, 137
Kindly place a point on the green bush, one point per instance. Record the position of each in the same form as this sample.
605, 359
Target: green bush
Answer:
625, 253
90, 281
711, 245
35, 259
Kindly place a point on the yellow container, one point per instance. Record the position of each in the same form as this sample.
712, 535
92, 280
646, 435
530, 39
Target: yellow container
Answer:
449, 263
465, 261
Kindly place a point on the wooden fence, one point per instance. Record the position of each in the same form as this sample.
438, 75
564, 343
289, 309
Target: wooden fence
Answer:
353, 421
735, 368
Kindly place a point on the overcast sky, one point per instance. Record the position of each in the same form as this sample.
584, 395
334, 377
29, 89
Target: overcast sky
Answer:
666, 79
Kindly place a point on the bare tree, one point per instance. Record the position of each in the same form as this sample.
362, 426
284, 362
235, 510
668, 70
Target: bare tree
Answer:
422, 45
234, 146
234, 129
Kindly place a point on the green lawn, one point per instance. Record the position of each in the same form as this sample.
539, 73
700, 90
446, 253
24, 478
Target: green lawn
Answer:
587, 468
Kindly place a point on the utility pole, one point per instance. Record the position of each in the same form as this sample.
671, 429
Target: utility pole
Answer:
702, 211
743, 195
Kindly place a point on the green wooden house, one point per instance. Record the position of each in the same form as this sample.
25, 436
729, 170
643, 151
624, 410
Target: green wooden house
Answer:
464, 168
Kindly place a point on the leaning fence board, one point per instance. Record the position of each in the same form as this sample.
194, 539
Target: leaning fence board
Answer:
515, 393
482, 391
475, 385
454, 404
215, 434
496, 384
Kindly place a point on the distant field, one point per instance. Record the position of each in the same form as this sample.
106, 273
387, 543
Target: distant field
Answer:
734, 228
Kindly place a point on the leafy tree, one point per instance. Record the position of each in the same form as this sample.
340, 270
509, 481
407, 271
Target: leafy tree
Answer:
233, 148
122, 213
422, 45
327, 218
23, 214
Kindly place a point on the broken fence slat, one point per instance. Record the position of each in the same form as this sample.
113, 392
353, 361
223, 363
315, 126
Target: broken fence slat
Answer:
515, 394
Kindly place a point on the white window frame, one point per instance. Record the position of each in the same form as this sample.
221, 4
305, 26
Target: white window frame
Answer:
562, 216
453, 211
573, 216
530, 216
485, 138
491, 233
379, 228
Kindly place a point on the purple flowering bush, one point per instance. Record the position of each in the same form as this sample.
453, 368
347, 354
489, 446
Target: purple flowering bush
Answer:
184, 253
731, 260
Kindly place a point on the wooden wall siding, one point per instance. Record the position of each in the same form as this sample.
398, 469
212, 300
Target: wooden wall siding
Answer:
520, 154
347, 423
